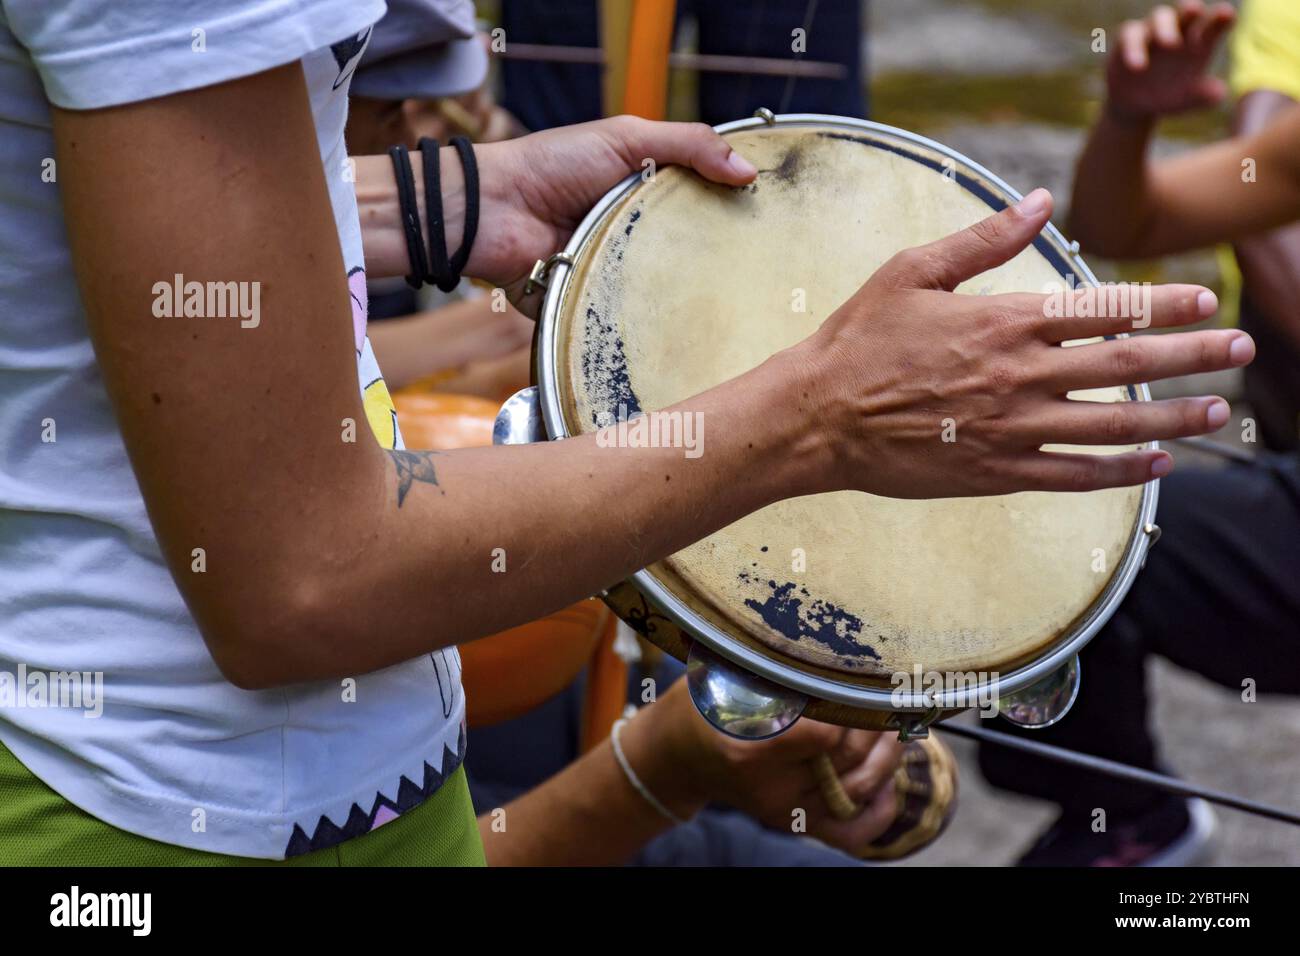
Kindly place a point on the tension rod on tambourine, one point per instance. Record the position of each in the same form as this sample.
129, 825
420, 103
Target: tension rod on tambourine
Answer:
1123, 771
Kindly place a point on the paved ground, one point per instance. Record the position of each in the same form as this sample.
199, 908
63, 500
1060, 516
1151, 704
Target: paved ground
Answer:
1011, 83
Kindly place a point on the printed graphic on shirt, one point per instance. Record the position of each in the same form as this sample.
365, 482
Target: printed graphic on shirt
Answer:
448, 682
408, 796
360, 305
347, 53
380, 411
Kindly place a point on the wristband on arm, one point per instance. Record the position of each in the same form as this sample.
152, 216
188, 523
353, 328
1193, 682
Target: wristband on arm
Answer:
444, 272
410, 214
434, 266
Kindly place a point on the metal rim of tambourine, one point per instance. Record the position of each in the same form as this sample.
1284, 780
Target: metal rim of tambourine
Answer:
554, 276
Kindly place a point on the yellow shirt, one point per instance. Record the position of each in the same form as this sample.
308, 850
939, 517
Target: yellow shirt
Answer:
1266, 48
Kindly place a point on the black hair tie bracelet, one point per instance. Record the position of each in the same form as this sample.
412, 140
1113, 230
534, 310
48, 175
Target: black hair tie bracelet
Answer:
444, 272
410, 215
469, 164
439, 269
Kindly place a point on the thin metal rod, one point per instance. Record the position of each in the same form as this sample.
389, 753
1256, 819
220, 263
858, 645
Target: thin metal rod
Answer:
703, 62
809, 13
1123, 771
1216, 448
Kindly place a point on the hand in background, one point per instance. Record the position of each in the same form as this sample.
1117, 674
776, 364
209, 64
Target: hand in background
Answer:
771, 779
1159, 64
447, 339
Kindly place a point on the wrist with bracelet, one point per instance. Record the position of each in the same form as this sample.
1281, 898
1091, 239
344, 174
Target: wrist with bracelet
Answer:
431, 263
620, 757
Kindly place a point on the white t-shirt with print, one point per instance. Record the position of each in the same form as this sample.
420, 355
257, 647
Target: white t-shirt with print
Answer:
175, 752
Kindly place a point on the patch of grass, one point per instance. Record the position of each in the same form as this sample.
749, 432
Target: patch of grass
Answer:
1080, 15
921, 101
925, 100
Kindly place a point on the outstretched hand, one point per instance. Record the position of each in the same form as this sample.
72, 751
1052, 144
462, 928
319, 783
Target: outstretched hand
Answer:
905, 354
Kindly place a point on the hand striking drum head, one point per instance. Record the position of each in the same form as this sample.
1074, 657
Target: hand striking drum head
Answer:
684, 284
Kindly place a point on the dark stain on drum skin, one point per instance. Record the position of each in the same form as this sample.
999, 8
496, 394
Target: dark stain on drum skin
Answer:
631, 221
603, 362
785, 612
788, 171
619, 244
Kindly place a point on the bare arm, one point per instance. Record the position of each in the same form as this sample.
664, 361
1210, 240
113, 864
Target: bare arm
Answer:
446, 338
590, 815
1125, 206
327, 557
1270, 262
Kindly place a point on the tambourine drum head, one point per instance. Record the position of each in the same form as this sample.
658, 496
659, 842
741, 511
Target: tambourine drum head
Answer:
684, 284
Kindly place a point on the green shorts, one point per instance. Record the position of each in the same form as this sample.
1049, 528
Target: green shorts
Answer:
40, 828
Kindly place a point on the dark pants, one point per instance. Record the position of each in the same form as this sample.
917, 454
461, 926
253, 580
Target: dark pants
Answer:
1272, 380
544, 95
1220, 595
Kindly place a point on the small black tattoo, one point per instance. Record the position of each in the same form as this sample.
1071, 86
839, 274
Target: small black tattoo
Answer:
412, 466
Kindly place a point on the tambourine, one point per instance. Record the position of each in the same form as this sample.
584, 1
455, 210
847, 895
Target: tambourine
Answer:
850, 608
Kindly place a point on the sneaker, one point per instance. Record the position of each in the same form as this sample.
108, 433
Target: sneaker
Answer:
1176, 831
